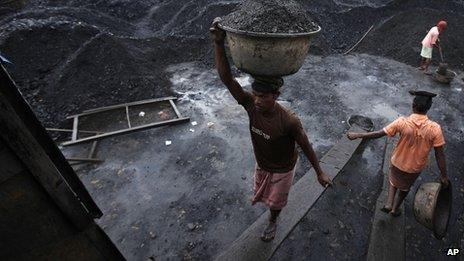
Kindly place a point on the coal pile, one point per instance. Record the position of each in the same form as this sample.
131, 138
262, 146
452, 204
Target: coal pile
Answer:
406, 30
68, 59
72, 55
270, 16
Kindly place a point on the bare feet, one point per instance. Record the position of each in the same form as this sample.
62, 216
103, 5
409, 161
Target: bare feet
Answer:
386, 209
427, 72
269, 233
395, 213
420, 68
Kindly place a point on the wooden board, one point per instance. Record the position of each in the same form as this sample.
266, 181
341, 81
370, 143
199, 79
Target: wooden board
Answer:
18, 114
28, 150
126, 131
129, 128
302, 197
387, 240
117, 106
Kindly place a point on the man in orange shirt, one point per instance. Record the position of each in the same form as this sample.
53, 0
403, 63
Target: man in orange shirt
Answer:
418, 135
429, 41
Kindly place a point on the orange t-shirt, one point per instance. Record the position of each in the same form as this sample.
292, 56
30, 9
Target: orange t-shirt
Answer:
418, 135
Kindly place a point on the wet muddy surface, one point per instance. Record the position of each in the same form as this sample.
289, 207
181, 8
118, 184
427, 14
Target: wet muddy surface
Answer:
354, 84
194, 194
335, 228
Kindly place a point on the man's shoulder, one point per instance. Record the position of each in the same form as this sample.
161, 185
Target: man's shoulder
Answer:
399, 123
402, 119
288, 113
434, 125
290, 119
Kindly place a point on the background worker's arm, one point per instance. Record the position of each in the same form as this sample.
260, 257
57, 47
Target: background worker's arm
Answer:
441, 161
437, 43
368, 135
222, 64
303, 141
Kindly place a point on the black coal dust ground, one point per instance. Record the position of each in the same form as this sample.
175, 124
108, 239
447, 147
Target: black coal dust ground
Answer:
190, 200
193, 195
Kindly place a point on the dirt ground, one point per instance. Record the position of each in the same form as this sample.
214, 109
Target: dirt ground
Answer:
190, 200
194, 194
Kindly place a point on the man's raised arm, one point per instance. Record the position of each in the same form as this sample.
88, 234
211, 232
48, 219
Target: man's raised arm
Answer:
222, 64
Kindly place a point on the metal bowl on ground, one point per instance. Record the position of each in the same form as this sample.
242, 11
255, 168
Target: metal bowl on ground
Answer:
432, 207
268, 54
444, 78
364, 122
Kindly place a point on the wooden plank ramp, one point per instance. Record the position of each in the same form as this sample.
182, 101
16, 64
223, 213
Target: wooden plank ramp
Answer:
387, 239
302, 197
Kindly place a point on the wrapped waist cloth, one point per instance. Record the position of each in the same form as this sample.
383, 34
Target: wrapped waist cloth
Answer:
402, 180
272, 188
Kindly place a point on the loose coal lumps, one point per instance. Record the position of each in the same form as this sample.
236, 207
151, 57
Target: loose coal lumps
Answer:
270, 16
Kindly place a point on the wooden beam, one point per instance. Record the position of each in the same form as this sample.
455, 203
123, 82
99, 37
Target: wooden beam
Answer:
33, 156
26, 121
103, 243
75, 126
67, 130
175, 109
93, 149
84, 159
118, 106
126, 131
127, 117
387, 239
303, 195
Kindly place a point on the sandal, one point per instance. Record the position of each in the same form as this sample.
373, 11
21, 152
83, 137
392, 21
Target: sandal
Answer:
269, 232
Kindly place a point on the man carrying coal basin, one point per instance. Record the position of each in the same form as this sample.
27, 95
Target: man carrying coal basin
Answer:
418, 135
431, 40
274, 131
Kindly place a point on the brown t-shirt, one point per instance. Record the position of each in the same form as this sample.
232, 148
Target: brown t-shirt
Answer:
273, 136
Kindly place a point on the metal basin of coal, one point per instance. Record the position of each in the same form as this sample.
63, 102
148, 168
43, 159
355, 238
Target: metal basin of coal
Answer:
268, 54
